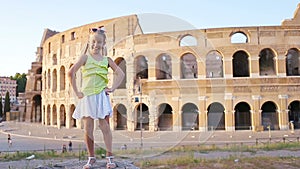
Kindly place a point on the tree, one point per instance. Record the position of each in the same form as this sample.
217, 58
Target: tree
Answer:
1, 107
21, 82
6, 105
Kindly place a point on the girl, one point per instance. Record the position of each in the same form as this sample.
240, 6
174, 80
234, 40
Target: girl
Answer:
94, 101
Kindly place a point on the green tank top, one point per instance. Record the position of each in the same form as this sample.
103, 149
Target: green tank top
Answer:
94, 76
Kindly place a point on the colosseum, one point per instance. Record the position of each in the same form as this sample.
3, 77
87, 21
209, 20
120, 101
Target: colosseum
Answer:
233, 78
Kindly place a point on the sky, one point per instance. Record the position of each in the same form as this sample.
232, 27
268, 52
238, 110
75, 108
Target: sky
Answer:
22, 23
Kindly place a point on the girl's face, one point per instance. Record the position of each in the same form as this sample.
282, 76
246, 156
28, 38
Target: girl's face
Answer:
97, 41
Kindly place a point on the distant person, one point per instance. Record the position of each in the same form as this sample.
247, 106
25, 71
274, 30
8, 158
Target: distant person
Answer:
70, 146
124, 147
94, 102
9, 140
64, 149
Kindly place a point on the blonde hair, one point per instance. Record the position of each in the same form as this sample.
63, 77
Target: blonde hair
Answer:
85, 48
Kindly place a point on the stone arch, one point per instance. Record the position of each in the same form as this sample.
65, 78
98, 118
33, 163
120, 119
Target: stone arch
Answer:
38, 84
267, 62
190, 117
242, 116
292, 62
238, 37
48, 115
163, 67
62, 74
165, 119
189, 66
72, 120
39, 71
240, 64
269, 116
36, 111
54, 81
214, 64
54, 115
121, 62
141, 67
188, 40
62, 114
121, 117
54, 59
216, 116
294, 113
49, 79
142, 116
45, 80
44, 115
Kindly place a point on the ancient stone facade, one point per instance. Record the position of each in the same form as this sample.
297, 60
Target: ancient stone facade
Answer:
235, 78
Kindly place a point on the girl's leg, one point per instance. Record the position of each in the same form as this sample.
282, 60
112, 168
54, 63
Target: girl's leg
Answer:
89, 135
107, 136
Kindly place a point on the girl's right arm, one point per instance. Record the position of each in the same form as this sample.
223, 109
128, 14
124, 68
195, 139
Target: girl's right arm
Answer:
72, 75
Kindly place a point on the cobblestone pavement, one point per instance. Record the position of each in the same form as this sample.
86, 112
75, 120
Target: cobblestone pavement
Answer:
30, 136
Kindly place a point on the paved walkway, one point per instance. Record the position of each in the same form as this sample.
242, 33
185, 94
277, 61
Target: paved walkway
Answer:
136, 140
31, 136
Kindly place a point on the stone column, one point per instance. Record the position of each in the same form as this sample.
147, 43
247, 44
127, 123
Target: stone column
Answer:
228, 67
131, 116
153, 115
202, 113
151, 66
283, 112
177, 115
201, 68
229, 112
68, 117
131, 104
43, 115
254, 69
256, 114
58, 118
28, 112
51, 117
176, 69
281, 61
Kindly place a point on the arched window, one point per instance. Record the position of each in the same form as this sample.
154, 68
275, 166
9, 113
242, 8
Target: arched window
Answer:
188, 40
292, 62
214, 65
54, 59
242, 116
190, 117
54, 80
240, 64
269, 116
163, 67
62, 75
141, 67
239, 37
216, 116
49, 78
267, 62
189, 67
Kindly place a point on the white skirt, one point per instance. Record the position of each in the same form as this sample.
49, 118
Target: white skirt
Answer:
94, 106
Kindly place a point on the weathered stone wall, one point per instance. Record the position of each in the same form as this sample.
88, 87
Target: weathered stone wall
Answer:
196, 84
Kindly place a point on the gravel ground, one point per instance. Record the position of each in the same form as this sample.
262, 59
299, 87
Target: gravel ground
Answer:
76, 164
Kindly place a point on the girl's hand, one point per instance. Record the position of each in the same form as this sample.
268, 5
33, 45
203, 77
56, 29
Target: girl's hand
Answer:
108, 90
79, 95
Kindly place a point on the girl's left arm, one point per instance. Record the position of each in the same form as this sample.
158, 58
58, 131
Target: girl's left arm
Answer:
118, 73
